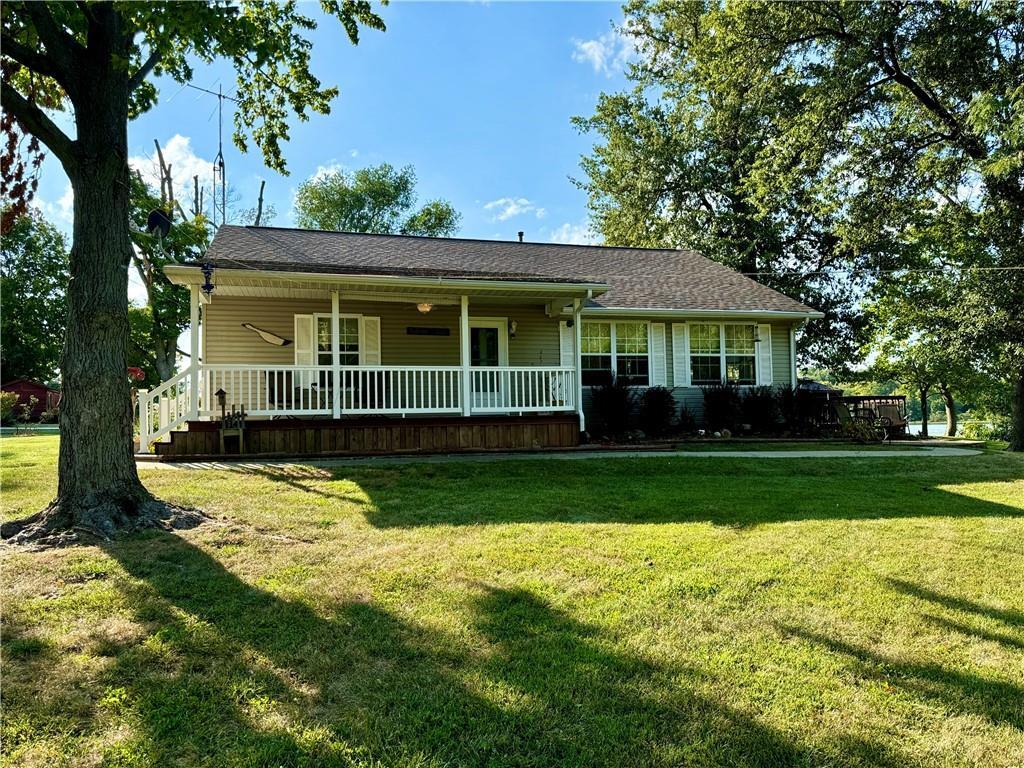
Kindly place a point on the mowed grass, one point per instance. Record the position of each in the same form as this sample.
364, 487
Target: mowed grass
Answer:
649, 612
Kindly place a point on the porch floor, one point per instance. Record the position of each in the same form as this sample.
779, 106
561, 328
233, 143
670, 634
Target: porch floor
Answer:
374, 435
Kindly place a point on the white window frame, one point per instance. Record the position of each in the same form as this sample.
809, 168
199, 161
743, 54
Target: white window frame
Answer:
316, 338
614, 351
722, 354
499, 323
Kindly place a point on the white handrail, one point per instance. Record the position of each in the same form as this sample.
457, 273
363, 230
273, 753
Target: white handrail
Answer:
308, 390
167, 406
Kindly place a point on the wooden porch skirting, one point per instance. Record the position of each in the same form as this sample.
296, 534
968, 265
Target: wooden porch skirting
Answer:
376, 435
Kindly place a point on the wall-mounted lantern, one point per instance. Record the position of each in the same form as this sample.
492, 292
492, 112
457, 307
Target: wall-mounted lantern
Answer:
208, 286
512, 329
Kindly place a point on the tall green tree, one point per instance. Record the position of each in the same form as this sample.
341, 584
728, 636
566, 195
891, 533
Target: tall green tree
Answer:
33, 289
95, 60
379, 199
833, 130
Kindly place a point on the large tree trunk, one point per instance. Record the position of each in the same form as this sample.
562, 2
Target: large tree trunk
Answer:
950, 406
1017, 431
98, 488
923, 395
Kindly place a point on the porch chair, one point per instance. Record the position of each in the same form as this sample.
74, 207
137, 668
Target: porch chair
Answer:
867, 416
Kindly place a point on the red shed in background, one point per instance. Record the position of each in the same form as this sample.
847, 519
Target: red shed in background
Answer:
26, 388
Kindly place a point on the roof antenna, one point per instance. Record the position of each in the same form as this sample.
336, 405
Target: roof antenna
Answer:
218, 163
520, 237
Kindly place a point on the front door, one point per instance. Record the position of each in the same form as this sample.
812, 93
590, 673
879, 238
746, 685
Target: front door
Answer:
488, 349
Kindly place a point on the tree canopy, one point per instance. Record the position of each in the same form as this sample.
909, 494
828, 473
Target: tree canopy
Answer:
33, 285
379, 199
96, 60
813, 145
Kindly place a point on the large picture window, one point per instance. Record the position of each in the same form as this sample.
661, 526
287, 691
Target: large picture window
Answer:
614, 348
631, 366
596, 353
723, 352
741, 354
348, 328
705, 354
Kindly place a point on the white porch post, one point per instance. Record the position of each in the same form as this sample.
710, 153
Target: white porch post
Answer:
464, 357
577, 307
335, 357
193, 351
792, 356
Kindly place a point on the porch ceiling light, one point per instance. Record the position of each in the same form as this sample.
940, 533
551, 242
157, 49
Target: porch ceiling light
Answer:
424, 307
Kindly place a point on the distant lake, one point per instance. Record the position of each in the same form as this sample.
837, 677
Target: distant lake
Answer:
937, 427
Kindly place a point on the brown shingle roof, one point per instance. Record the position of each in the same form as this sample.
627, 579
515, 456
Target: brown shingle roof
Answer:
639, 278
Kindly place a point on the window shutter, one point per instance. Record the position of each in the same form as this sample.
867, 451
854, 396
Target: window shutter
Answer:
305, 340
657, 363
369, 342
566, 345
764, 355
680, 356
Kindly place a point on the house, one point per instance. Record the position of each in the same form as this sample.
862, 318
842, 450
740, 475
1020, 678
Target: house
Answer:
366, 342
47, 398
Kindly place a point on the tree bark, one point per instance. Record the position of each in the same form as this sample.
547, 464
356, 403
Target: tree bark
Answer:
98, 487
950, 406
923, 395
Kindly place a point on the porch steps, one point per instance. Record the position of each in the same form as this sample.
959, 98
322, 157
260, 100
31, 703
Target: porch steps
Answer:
376, 435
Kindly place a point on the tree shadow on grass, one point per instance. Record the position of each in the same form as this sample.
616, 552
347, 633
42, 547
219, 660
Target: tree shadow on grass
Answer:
232, 674
999, 701
735, 492
1009, 616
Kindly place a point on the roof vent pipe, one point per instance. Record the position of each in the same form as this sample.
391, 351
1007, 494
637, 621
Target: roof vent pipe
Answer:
520, 237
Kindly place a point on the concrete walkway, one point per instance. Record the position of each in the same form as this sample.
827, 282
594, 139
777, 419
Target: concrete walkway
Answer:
385, 461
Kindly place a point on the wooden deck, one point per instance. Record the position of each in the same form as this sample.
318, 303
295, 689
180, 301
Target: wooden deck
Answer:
375, 436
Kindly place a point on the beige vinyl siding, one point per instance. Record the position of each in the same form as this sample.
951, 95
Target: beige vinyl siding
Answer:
225, 340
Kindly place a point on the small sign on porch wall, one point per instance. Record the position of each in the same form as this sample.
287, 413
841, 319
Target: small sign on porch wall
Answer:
419, 330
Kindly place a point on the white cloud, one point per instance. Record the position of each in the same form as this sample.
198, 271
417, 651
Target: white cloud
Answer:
504, 208
330, 169
62, 211
185, 164
608, 54
575, 234
353, 153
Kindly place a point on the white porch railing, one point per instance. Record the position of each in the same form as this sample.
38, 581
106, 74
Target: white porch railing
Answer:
165, 407
292, 390
504, 389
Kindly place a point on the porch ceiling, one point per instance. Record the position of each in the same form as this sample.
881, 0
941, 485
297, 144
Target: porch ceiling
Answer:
292, 285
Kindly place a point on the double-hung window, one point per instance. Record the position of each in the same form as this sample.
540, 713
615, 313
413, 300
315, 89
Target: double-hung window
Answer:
348, 328
619, 349
723, 352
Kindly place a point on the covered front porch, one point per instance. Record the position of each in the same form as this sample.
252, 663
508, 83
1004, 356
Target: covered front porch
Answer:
346, 347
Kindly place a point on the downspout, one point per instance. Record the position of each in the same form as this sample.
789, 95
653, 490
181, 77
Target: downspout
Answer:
577, 310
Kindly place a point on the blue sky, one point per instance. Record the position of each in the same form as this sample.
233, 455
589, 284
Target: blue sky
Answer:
476, 96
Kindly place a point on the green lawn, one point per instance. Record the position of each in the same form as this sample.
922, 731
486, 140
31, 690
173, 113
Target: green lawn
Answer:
660, 611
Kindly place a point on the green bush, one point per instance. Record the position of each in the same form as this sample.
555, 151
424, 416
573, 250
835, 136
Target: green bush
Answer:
657, 411
612, 405
997, 428
759, 407
7, 402
721, 407
687, 421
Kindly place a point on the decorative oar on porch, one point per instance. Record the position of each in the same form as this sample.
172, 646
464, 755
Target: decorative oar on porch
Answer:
267, 336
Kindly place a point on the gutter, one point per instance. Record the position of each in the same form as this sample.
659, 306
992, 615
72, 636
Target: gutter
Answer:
180, 274
810, 314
